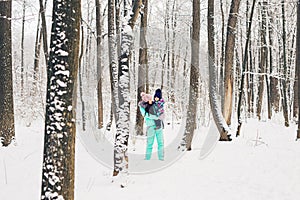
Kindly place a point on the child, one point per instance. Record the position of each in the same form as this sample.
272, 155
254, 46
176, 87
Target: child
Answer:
159, 108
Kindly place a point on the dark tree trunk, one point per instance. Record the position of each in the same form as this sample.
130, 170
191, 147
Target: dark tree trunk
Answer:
60, 124
143, 66
7, 124
22, 49
194, 79
99, 67
298, 64
44, 28
245, 59
285, 70
263, 59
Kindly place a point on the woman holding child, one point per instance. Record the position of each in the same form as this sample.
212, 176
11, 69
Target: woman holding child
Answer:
153, 112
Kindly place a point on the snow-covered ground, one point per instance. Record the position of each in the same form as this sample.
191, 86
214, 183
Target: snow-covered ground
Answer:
264, 163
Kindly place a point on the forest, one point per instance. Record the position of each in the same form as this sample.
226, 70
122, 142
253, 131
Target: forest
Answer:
78, 68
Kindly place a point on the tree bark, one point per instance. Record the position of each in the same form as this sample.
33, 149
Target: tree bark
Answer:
7, 123
60, 125
22, 49
229, 54
298, 64
285, 70
263, 59
44, 28
143, 66
123, 119
99, 67
245, 59
194, 79
213, 97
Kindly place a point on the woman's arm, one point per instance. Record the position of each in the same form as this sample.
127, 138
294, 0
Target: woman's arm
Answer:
148, 115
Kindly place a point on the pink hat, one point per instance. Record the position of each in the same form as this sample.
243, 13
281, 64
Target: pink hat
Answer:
146, 97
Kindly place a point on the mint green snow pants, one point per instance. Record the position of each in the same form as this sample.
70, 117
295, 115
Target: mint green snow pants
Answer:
151, 134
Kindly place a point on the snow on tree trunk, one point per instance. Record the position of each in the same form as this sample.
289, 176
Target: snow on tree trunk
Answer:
7, 124
123, 112
194, 80
59, 144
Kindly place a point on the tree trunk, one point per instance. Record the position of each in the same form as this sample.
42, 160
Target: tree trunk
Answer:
143, 66
123, 119
229, 54
298, 64
60, 124
37, 51
213, 97
263, 59
221, 78
99, 67
80, 76
22, 49
44, 29
245, 59
7, 124
112, 56
194, 79
274, 88
284, 81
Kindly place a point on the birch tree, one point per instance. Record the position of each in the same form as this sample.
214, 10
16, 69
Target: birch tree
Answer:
7, 123
59, 143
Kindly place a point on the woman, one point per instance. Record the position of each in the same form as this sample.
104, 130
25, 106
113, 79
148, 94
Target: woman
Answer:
148, 110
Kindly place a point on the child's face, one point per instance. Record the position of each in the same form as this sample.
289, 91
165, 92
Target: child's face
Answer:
156, 99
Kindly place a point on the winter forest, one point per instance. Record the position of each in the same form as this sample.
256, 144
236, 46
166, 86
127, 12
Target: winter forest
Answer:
72, 78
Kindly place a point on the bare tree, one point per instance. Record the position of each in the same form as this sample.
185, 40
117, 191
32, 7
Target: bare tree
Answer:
298, 63
143, 66
99, 67
7, 123
245, 59
284, 80
194, 79
262, 59
215, 102
60, 127
122, 122
229, 55
22, 48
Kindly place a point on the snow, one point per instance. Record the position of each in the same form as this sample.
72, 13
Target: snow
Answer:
263, 163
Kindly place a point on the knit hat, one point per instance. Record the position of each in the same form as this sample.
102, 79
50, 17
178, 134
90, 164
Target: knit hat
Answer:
146, 97
158, 94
